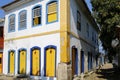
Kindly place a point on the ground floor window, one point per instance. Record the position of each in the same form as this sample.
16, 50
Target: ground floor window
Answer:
22, 61
35, 61
90, 63
50, 61
11, 61
82, 61
74, 61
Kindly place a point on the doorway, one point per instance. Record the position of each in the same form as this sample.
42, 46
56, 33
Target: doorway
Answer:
74, 61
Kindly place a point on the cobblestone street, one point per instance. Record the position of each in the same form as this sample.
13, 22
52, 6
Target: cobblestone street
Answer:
106, 73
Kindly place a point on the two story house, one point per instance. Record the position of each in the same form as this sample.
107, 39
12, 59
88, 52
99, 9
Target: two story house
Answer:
40, 34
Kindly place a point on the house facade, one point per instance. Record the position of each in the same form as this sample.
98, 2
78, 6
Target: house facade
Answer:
40, 34
1, 44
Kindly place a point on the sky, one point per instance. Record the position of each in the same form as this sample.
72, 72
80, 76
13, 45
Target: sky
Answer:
4, 2
89, 5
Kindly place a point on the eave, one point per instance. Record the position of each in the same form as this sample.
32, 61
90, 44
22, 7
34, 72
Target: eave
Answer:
88, 14
14, 4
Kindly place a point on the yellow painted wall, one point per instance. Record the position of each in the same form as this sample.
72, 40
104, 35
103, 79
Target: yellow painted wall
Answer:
65, 29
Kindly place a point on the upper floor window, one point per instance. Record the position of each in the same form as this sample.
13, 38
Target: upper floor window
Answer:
1, 31
87, 29
52, 11
22, 20
78, 21
36, 15
11, 23
92, 36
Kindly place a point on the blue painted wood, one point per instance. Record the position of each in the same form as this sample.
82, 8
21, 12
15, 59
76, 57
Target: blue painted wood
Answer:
76, 61
89, 61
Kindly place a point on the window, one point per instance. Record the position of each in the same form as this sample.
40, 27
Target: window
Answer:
78, 21
52, 11
35, 61
11, 23
1, 31
87, 29
92, 36
95, 38
36, 16
0, 60
22, 20
22, 54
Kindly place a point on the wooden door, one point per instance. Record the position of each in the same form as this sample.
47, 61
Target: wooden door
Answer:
36, 62
50, 62
22, 62
82, 62
74, 61
11, 62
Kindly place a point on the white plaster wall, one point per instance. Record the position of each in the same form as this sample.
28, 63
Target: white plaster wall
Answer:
84, 20
30, 30
82, 43
28, 43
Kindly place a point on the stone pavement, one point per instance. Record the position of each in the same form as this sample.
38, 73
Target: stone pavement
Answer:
10, 77
106, 73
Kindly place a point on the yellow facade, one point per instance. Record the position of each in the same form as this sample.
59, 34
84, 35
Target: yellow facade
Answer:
36, 62
22, 64
11, 62
50, 62
1, 64
65, 30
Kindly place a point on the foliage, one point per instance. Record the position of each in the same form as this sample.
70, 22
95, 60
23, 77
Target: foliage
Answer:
107, 15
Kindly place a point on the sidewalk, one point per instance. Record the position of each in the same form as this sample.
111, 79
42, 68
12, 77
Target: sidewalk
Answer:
106, 73
8, 77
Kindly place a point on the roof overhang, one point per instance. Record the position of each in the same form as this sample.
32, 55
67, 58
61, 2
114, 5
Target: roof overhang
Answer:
1, 22
88, 14
14, 4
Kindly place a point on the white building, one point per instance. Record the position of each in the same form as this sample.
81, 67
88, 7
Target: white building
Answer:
40, 34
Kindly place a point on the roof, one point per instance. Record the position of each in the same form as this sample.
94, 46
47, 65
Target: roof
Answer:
90, 16
10, 3
1, 22
87, 11
14, 4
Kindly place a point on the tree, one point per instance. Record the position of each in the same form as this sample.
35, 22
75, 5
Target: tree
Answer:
107, 15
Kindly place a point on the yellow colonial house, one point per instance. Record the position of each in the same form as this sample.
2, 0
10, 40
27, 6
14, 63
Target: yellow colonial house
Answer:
40, 34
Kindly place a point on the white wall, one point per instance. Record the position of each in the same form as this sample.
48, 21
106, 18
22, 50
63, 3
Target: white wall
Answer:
85, 43
30, 30
41, 41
